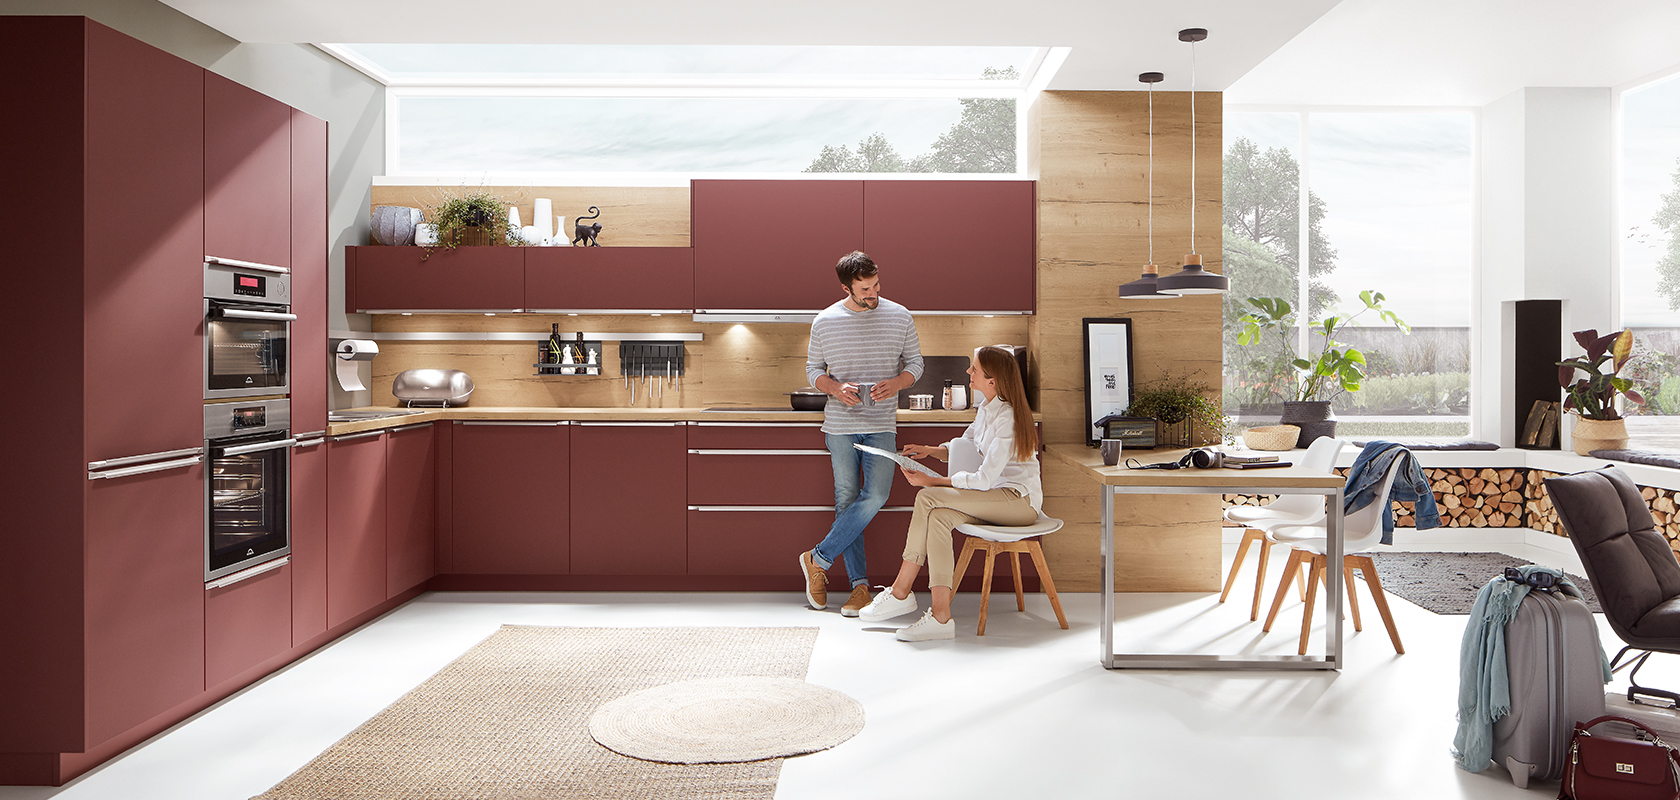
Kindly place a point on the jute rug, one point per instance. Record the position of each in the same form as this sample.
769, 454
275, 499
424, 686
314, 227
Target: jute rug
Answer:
723, 720
1447, 583
509, 720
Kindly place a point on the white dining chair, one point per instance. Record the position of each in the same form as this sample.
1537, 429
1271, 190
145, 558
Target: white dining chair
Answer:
1289, 509
1361, 531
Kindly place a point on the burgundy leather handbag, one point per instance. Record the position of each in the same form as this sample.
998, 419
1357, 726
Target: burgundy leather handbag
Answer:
1606, 768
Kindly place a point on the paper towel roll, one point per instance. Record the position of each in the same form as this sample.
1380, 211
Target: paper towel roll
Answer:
351, 351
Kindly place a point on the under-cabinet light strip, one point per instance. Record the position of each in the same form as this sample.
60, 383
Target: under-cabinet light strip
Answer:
512, 336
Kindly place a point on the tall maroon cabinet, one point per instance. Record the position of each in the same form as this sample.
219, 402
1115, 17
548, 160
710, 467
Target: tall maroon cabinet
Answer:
309, 541
772, 245
102, 579
308, 200
629, 503
247, 173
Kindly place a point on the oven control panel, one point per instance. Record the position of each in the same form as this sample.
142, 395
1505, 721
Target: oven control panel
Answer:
249, 418
222, 420
253, 283
250, 285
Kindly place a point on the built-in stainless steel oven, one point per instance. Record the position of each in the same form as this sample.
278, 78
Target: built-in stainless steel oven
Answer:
247, 326
247, 505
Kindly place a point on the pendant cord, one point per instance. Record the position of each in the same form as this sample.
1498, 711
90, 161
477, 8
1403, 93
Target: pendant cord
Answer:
1151, 173
1192, 148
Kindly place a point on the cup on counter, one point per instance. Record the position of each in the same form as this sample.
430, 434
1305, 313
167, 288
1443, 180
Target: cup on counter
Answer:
921, 402
1110, 452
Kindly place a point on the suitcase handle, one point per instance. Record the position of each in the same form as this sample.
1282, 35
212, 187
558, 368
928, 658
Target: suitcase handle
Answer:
1584, 727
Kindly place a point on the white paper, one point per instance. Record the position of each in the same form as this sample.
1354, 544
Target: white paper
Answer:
903, 461
349, 376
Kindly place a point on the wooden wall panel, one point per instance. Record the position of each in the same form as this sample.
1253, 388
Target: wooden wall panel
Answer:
641, 216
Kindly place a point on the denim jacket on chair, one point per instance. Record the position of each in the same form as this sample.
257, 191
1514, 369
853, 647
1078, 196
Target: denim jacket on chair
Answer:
1410, 486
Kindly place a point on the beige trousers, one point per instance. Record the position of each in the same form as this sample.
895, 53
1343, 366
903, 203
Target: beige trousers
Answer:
940, 509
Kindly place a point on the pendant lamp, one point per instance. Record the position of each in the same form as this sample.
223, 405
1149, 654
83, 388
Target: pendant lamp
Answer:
1144, 288
1192, 279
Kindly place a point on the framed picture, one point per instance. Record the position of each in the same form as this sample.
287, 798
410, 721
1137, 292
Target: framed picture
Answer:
1108, 371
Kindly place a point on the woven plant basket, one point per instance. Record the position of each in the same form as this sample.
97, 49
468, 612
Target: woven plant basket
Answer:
1271, 437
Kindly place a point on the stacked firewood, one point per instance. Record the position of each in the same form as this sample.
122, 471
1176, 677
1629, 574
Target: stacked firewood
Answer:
1466, 498
1542, 515
1665, 512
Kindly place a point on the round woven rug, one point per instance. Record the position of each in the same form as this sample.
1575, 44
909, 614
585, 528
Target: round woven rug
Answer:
726, 720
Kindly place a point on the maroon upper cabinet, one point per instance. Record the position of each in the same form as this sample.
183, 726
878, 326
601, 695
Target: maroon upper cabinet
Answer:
247, 173
463, 279
510, 497
772, 245
309, 272
410, 507
952, 245
609, 279
629, 499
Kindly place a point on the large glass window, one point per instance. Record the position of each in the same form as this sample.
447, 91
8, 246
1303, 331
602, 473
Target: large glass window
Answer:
1650, 259
1387, 208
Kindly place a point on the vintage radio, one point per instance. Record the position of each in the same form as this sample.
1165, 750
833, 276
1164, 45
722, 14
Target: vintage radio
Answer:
1133, 432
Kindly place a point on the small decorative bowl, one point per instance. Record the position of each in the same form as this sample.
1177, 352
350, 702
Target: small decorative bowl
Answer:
1271, 437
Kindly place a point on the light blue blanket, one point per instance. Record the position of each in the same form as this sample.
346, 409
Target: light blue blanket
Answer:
1484, 689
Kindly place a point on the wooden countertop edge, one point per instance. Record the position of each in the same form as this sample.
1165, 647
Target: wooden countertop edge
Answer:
1089, 461
512, 414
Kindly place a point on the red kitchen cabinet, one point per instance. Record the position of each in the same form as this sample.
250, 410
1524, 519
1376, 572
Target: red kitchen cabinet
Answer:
728, 477
409, 507
309, 542
309, 272
246, 624
463, 279
511, 494
355, 526
763, 245
611, 279
629, 509
903, 494
767, 541
247, 173
953, 245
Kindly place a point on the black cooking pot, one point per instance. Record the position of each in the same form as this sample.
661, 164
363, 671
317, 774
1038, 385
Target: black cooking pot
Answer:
807, 400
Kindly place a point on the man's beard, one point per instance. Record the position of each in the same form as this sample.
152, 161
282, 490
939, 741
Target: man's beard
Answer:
867, 302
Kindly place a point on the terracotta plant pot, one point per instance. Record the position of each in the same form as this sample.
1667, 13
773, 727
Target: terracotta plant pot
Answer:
1313, 417
1599, 434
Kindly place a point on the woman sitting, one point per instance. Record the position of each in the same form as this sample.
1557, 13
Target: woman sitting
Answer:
1004, 489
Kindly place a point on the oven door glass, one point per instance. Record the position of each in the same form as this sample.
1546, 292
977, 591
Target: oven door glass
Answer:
245, 520
244, 353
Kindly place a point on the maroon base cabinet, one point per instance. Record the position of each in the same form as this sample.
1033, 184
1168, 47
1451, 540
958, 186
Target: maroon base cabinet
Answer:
246, 624
355, 526
510, 499
309, 543
629, 510
410, 508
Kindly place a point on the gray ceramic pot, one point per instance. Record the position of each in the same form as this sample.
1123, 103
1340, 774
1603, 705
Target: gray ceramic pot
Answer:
394, 225
1313, 417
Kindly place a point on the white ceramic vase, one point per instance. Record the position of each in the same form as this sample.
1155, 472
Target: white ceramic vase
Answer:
425, 234
541, 216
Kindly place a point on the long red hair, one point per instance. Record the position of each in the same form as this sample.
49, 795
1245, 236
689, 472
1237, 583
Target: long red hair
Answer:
1001, 367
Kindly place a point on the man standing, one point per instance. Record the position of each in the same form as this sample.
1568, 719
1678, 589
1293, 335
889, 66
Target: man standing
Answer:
864, 351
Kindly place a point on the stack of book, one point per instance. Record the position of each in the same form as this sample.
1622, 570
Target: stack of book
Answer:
1234, 461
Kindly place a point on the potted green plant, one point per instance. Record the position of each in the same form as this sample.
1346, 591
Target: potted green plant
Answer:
1599, 424
1175, 400
470, 218
1329, 367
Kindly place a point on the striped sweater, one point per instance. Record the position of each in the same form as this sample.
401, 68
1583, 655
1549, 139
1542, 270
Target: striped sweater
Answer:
863, 347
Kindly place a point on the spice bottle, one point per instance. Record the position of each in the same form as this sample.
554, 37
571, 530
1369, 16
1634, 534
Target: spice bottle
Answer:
945, 400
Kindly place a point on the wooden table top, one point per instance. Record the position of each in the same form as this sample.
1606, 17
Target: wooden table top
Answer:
1089, 461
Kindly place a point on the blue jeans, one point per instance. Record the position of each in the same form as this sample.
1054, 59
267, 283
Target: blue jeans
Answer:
858, 494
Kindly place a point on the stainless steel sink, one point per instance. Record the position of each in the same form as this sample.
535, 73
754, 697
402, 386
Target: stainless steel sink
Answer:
362, 416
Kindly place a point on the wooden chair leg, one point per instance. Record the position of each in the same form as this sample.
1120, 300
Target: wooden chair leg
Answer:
1260, 576
986, 588
1375, 585
1352, 599
1316, 572
1301, 588
1289, 573
1037, 554
1015, 569
1249, 535
970, 545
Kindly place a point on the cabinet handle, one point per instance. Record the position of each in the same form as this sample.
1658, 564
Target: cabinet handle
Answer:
415, 426
482, 423
234, 262
266, 316
239, 450
758, 452
676, 424
145, 468
347, 437
758, 424
786, 508
229, 580
126, 460
302, 443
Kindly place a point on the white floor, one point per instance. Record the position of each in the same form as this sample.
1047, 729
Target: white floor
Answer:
1021, 712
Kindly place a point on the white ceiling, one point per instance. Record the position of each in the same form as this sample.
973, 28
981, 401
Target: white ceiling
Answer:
1362, 52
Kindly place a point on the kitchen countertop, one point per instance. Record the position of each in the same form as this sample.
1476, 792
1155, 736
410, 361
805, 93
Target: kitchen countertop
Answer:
905, 416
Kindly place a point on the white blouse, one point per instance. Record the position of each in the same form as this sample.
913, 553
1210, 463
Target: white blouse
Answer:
993, 434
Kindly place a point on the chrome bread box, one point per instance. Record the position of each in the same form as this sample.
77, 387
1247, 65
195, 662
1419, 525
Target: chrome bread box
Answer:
441, 388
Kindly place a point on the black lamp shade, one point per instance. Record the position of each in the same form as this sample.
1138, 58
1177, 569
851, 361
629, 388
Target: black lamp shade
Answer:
1144, 288
1192, 279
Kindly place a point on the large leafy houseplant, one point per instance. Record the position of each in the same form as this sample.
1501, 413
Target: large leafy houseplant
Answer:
1594, 397
1328, 368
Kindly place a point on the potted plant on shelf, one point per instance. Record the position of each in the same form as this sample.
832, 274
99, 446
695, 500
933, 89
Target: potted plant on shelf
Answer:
1174, 401
1599, 425
1330, 367
471, 218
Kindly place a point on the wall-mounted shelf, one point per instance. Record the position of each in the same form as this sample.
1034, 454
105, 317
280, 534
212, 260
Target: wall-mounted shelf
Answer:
551, 363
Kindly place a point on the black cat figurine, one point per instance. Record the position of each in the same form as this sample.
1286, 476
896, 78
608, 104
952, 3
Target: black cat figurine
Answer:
584, 235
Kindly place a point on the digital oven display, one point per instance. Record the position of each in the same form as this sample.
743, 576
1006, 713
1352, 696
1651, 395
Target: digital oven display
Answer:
254, 417
250, 285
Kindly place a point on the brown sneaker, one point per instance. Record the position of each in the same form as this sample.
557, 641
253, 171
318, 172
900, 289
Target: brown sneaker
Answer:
860, 598
816, 581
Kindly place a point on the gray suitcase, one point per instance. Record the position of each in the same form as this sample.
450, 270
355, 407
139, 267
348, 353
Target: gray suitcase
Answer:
1552, 656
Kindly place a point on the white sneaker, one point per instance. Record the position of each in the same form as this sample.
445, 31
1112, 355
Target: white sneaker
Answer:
928, 629
885, 606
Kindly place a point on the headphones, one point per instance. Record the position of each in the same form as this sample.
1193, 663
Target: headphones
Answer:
1200, 459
